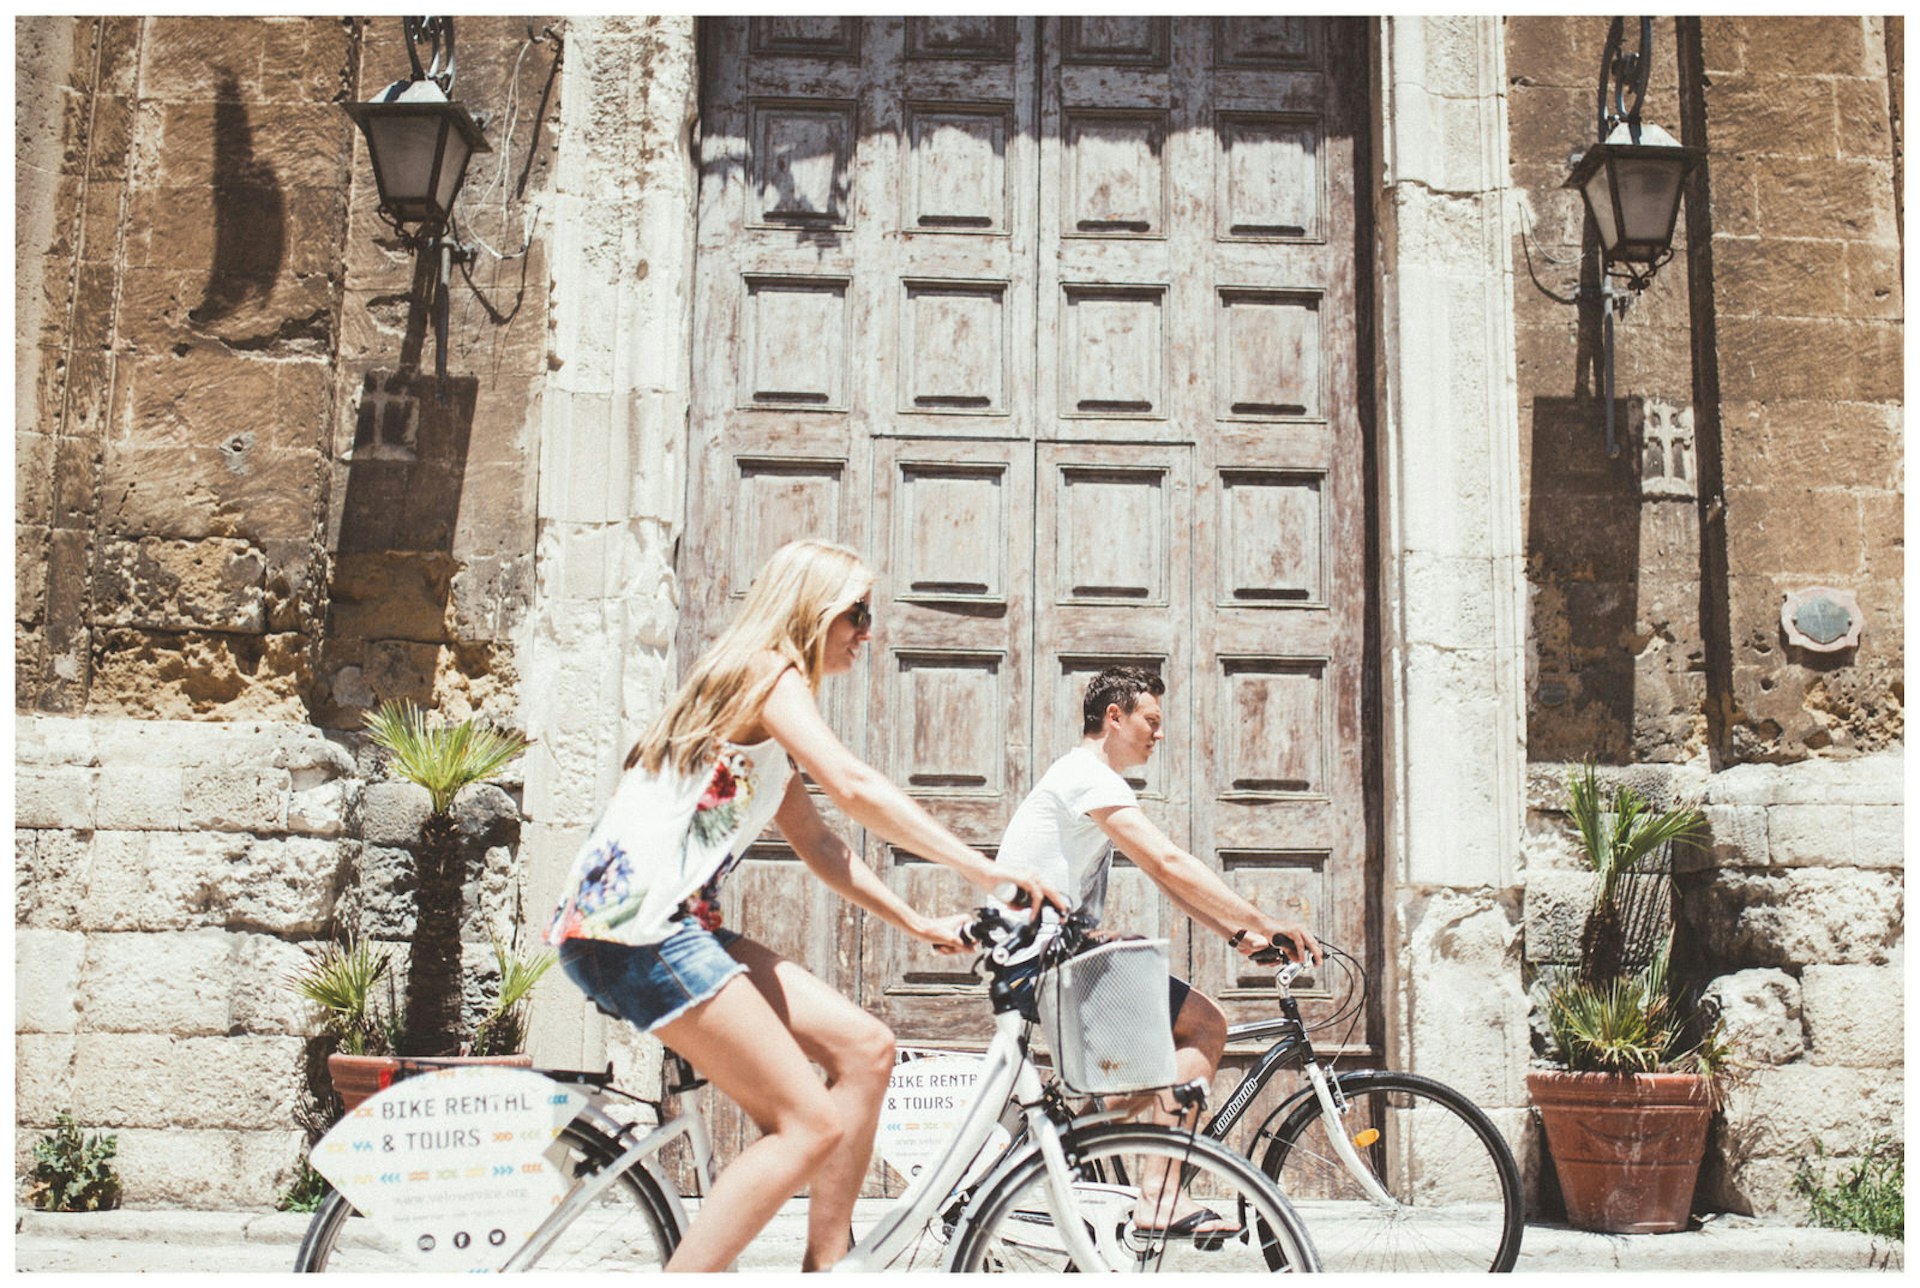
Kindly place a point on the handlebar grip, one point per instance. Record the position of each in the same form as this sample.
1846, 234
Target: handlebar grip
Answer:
1012, 895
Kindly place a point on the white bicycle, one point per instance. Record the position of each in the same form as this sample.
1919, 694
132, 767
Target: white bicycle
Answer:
1068, 1197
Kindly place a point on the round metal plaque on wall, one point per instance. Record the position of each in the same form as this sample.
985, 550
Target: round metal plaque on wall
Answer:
1821, 619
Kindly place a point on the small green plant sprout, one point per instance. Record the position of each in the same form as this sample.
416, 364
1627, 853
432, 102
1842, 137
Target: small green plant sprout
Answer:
503, 1030
307, 1191
1871, 1197
441, 758
343, 980
73, 1172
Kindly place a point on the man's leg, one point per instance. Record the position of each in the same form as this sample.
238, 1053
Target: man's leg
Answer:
1199, 1038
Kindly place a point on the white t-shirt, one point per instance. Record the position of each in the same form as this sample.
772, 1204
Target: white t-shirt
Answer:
1052, 837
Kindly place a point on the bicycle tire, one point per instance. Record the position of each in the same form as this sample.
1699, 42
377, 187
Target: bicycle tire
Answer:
1009, 1229
632, 1227
1458, 1189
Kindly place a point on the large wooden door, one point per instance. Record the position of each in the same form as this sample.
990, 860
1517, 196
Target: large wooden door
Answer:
1054, 319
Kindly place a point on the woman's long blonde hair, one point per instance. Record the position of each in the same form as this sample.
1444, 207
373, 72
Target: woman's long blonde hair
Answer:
795, 597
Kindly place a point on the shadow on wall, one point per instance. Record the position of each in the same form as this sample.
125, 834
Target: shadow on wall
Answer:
1583, 570
249, 214
393, 566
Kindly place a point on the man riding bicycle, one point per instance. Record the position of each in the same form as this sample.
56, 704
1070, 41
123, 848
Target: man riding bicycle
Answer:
1066, 830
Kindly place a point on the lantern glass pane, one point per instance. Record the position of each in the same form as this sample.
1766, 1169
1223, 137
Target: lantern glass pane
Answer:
1599, 195
453, 168
403, 146
1649, 190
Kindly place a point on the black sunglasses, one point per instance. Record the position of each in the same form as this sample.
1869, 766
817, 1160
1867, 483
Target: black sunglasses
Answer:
861, 615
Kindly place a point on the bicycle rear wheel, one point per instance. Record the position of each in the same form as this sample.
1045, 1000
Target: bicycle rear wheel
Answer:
1012, 1229
630, 1226
1455, 1189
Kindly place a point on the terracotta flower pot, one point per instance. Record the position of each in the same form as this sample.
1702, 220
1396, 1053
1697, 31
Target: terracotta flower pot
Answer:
355, 1077
1626, 1146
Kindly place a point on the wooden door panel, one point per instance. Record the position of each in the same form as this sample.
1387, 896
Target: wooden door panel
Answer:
1054, 319
951, 668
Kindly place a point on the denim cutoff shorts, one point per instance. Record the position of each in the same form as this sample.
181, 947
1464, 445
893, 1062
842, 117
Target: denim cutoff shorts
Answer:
648, 985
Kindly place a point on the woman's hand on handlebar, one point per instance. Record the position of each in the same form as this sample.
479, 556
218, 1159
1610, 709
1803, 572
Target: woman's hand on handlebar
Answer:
946, 934
1017, 890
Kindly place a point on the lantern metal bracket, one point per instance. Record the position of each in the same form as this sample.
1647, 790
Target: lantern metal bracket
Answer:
1626, 74
437, 35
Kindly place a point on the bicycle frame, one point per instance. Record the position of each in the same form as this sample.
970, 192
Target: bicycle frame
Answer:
1008, 1072
641, 1153
1294, 1048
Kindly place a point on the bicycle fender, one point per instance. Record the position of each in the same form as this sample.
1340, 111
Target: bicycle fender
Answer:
1286, 1108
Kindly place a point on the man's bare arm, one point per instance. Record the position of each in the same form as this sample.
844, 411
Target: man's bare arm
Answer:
1194, 887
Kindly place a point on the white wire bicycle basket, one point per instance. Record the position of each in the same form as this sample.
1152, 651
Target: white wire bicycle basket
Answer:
1104, 1014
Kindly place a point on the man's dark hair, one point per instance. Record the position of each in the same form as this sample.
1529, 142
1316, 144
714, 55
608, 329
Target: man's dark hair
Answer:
1121, 684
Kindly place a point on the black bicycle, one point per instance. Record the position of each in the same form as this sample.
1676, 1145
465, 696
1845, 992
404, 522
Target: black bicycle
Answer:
1391, 1171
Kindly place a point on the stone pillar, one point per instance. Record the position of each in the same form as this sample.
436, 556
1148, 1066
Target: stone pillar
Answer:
599, 645
1454, 609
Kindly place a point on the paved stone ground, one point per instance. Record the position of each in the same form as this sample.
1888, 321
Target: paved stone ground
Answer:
196, 1242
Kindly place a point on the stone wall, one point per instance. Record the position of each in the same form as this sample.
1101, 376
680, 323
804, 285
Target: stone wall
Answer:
236, 498
169, 877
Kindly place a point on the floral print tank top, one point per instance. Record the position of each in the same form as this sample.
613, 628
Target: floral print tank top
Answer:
664, 844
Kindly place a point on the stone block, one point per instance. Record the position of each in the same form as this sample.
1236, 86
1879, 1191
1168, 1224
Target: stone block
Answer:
1737, 838
46, 980
1557, 906
157, 1080
174, 983
392, 813
385, 892
1879, 836
486, 816
1855, 1015
1761, 1011
153, 880
1796, 916
139, 797
284, 885
53, 796
1810, 835
215, 1170
262, 1000
233, 797
1805, 46
43, 1073
325, 810
1845, 199
1773, 1117
211, 584
51, 874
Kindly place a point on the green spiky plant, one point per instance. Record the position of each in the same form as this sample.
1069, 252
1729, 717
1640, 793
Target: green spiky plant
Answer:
343, 980
443, 759
1634, 1023
503, 1030
1619, 832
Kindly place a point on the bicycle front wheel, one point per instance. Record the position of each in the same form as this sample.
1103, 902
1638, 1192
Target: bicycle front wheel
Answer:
1145, 1224
1454, 1191
629, 1226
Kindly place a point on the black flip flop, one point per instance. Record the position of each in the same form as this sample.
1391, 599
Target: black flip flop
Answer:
1188, 1227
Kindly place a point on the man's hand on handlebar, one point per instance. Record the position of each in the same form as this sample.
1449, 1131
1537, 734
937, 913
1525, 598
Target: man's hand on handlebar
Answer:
1286, 941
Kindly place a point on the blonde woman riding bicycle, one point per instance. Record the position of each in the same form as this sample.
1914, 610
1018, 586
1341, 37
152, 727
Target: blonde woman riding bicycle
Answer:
639, 929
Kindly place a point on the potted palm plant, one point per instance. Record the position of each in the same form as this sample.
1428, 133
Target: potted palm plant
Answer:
443, 759
346, 981
1626, 1110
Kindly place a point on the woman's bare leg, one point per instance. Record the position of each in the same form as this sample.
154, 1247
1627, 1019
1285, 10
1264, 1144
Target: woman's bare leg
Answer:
856, 1051
741, 1046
